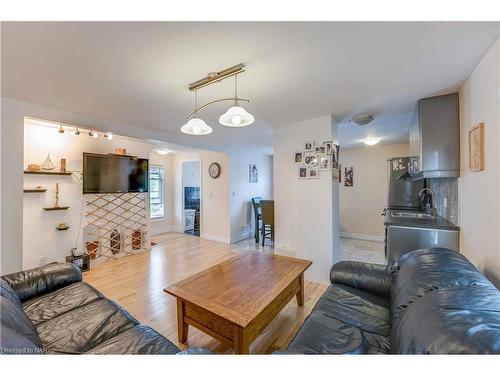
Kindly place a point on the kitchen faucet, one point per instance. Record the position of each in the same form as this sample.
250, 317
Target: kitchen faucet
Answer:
428, 208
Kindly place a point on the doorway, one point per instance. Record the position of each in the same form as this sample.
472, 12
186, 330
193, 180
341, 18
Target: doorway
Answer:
191, 197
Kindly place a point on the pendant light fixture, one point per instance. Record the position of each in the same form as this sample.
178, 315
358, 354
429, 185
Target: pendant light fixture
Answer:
236, 116
195, 125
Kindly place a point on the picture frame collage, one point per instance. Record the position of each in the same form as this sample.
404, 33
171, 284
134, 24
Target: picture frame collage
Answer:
317, 157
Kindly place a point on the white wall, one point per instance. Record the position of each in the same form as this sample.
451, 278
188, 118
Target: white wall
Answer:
306, 211
40, 238
479, 192
242, 191
191, 174
362, 204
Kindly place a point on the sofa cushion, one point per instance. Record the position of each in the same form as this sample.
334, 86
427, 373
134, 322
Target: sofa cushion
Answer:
17, 332
422, 271
136, 340
464, 319
83, 328
31, 283
366, 311
48, 306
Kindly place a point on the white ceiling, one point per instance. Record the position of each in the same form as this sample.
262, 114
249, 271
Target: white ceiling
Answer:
137, 73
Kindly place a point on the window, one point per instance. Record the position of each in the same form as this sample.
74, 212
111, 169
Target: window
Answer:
156, 191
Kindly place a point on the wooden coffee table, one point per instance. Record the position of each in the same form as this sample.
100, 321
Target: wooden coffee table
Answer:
235, 300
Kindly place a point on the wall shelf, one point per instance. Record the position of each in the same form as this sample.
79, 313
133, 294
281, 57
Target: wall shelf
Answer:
46, 173
55, 208
34, 190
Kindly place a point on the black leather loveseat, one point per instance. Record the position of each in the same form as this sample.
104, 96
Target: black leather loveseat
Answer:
50, 310
434, 302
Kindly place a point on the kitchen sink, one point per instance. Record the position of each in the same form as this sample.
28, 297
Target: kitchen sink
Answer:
412, 215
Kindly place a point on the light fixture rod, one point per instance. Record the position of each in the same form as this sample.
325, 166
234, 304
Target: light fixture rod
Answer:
216, 77
213, 102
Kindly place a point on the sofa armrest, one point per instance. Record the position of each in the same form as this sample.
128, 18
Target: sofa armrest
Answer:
195, 351
31, 283
370, 277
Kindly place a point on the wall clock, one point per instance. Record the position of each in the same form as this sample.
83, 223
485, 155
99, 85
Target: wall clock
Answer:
214, 170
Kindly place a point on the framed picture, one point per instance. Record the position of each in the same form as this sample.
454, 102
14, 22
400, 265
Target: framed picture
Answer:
298, 157
309, 146
302, 173
320, 149
335, 156
253, 173
311, 160
328, 147
324, 163
312, 173
348, 176
476, 148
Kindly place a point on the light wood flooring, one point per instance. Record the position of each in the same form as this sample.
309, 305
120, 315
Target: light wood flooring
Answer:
136, 282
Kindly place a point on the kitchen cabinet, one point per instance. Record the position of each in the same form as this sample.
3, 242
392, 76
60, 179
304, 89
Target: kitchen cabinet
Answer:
435, 138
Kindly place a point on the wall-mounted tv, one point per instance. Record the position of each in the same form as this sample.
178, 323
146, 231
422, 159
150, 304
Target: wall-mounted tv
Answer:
114, 174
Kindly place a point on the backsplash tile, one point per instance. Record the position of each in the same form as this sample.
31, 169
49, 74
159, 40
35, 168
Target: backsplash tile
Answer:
446, 197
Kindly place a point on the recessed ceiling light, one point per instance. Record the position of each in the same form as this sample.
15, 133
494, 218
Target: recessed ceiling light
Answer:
371, 141
162, 151
362, 119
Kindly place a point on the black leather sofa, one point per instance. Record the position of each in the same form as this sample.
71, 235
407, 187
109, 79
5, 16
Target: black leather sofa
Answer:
50, 310
434, 302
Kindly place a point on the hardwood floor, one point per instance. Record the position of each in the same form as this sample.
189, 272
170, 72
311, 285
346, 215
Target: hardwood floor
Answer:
136, 282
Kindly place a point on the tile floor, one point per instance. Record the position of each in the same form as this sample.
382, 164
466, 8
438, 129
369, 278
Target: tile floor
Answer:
350, 249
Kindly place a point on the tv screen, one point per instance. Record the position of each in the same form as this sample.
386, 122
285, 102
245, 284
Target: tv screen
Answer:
114, 174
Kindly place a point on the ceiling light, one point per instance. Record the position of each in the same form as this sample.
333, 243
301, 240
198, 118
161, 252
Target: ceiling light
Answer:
371, 141
93, 134
108, 136
75, 132
236, 116
362, 119
61, 129
196, 126
162, 151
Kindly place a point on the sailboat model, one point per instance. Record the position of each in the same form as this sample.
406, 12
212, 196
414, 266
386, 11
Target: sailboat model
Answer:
47, 164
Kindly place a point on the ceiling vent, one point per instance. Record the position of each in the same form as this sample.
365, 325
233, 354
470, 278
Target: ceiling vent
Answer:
362, 119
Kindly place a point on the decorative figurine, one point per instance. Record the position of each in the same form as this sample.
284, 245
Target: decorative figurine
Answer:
57, 195
47, 164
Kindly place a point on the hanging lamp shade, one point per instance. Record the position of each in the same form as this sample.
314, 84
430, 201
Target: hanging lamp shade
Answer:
236, 117
196, 126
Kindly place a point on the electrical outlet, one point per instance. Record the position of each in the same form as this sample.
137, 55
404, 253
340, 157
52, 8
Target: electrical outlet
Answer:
42, 261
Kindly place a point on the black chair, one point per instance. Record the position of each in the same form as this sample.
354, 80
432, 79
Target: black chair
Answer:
258, 216
267, 208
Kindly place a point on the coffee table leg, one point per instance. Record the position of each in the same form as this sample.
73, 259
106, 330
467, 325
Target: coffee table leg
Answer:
241, 344
300, 294
182, 326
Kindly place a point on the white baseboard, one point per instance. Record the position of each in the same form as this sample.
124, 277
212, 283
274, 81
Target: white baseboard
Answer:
244, 236
366, 237
163, 229
212, 237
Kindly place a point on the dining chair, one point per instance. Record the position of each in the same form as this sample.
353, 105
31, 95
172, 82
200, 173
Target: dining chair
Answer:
257, 215
267, 207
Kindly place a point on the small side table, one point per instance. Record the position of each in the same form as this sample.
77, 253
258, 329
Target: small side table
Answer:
81, 261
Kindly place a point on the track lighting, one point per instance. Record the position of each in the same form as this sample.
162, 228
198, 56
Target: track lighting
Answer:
61, 129
93, 134
108, 136
75, 132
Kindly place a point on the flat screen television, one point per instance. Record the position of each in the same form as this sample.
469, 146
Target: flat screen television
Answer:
114, 174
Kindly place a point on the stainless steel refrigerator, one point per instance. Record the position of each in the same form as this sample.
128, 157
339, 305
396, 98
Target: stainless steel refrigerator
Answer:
403, 192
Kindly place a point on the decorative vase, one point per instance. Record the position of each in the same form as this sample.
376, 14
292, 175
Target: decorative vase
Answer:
137, 239
114, 241
92, 248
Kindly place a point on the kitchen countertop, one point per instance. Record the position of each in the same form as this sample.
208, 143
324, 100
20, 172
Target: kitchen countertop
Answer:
437, 223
